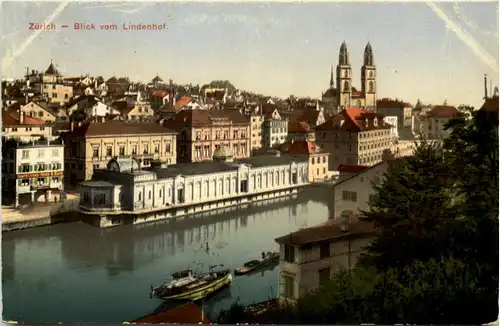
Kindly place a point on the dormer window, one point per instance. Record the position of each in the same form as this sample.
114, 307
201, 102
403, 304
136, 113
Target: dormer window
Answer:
375, 122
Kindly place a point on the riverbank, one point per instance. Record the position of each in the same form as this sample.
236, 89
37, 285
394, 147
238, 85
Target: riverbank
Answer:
40, 215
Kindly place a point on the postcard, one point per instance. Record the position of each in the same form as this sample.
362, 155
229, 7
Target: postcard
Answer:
250, 162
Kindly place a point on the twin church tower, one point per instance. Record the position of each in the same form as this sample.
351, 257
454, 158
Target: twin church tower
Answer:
344, 94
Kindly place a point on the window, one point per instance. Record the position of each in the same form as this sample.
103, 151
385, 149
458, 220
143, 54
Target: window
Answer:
157, 148
26, 154
370, 86
121, 150
140, 195
40, 113
109, 151
167, 147
346, 86
53, 86
288, 285
324, 159
95, 166
55, 152
145, 148
350, 196
95, 152
324, 276
289, 253
371, 198
324, 250
134, 149
41, 153
149, 195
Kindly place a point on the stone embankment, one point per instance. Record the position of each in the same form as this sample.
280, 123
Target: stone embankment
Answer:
40, 214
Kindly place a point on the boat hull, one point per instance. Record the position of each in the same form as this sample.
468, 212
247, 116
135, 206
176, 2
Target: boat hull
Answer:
202, 291
256, 268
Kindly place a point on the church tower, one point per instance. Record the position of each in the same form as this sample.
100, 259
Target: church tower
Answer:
368, 79
344, 78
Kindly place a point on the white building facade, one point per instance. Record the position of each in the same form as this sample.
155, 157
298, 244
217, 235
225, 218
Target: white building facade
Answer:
393, 121
123, 187
274, 130
34, 169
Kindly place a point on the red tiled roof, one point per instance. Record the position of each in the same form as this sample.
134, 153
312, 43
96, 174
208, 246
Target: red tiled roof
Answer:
298, 147
352, 168
299, 127
159, 93
13, 119
443, 111
352, 121
326, 232
188, 313
182, 102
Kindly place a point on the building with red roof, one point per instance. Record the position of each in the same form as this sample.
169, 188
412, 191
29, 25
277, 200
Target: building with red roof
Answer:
19, 126
355, 137
318, 159
434, 122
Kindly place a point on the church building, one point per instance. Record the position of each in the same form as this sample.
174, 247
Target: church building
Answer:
344, 95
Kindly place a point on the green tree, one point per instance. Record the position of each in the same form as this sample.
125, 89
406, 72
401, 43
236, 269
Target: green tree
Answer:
222, 84
473, 148
411, 209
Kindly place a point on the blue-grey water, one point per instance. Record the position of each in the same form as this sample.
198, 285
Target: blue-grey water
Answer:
75, 272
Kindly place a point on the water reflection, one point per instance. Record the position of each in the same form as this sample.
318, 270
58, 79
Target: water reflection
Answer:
126, 247
111, 270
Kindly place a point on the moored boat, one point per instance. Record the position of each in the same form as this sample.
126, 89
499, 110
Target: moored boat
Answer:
196, 289
266, 259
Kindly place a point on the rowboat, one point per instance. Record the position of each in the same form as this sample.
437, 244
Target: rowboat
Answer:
194, 288
266, 260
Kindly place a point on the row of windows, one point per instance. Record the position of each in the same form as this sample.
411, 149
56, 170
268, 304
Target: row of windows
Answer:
38, 181
23, 168
318, 160
226, 187
25, 154
134, 147
22, 129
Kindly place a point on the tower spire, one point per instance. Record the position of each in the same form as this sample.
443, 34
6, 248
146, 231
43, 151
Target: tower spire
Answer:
331, 77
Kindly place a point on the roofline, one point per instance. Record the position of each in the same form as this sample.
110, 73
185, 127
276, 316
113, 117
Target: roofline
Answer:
352, 176
347, 234
123, 135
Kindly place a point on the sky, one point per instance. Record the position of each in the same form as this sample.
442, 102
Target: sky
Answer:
428, 51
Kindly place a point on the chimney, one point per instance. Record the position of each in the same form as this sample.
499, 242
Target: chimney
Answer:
485, 86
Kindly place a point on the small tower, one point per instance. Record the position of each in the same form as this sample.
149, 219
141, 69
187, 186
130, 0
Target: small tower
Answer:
344, 78
368, 79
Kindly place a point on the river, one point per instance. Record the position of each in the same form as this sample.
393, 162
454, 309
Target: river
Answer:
75, 272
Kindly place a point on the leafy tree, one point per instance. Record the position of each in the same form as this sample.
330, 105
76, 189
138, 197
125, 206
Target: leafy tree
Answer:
473, 148
222, 84
412, 209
